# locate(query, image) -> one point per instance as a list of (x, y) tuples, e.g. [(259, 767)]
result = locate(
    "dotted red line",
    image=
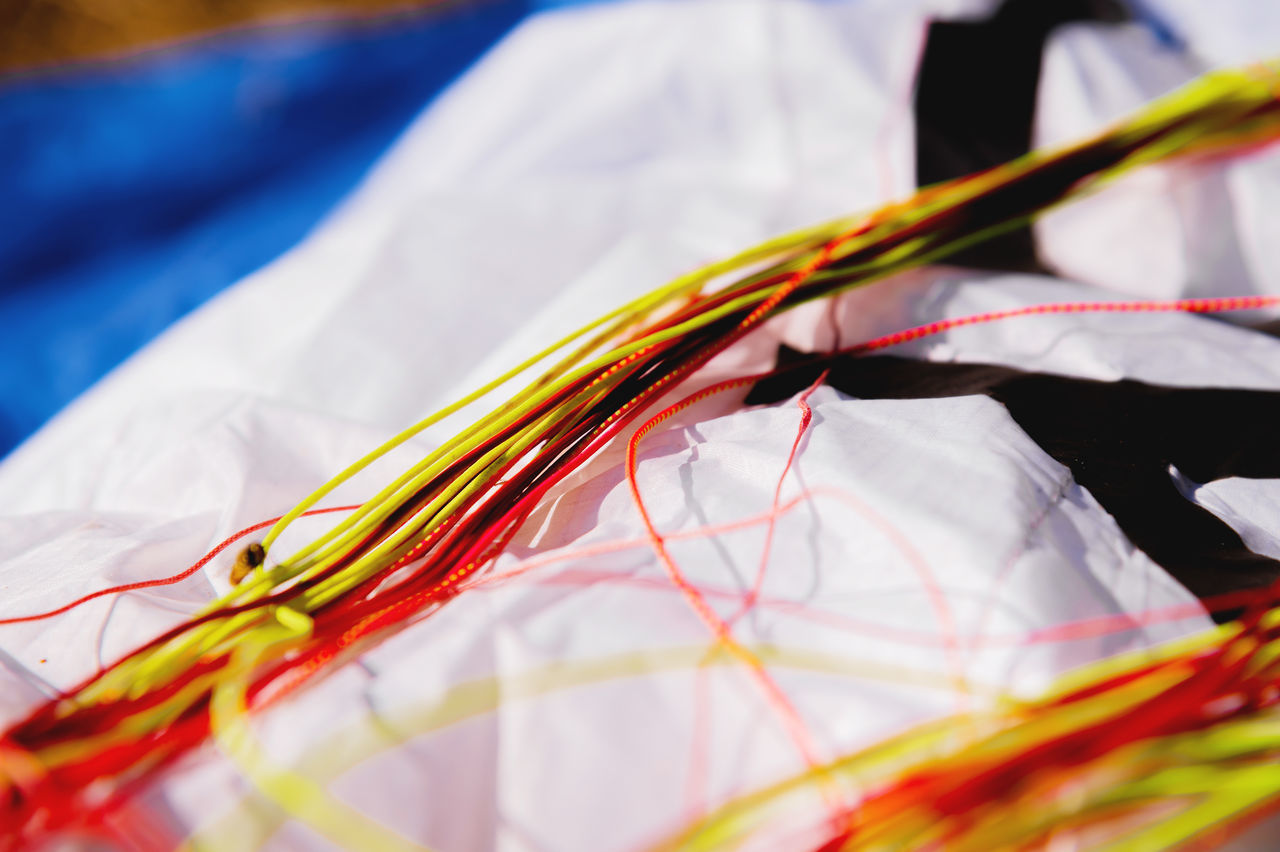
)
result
[(1195, 306)]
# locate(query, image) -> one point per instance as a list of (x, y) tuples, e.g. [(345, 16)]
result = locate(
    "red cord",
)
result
[(166, 581)]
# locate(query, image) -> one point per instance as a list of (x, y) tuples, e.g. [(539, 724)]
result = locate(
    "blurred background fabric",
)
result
[(319, 227), (34, 33), (153, 153)]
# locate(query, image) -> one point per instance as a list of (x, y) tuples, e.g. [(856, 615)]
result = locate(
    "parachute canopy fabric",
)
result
[(138, 188), (888, 558)]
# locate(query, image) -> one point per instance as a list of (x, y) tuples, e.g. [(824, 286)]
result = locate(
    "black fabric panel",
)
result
[(1117, 438), (976, 98)]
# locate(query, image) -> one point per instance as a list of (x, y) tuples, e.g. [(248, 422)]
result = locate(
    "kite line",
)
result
[(423, 539)]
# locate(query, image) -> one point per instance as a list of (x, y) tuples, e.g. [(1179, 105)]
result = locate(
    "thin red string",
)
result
[(806, 417), (1195, 306), (1058, 633), (773, 693), (166, 581)]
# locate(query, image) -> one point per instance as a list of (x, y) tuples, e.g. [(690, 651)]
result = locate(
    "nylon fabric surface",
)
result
[(921, 552), (138, 188)]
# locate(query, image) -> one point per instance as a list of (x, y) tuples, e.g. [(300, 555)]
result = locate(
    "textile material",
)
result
[(137, 189), (1133, 446), (923, 550)]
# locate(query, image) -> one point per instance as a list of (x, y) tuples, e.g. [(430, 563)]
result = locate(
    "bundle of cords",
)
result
[(1105, 753)]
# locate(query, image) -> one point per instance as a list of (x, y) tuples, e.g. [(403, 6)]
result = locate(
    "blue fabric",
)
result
[(134, 191)]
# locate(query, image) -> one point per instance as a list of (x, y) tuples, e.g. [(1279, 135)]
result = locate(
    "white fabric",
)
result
[(1224, 32), (1166, 231), (593, 155)]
